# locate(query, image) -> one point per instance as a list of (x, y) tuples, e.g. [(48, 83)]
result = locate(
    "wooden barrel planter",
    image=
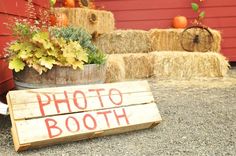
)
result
[(60, 76)]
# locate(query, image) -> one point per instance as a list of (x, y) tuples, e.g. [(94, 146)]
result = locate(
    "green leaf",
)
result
[(75, 55), (47, 62), (39, 53), (59, 42), (74, 34), (202, 15), (17, 64), (26, 50), (78, 64), (98, 57), (15, 47), (52, 2), (43, 38), (195, 7)]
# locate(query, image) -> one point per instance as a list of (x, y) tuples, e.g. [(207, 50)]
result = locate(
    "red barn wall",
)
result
[(10, 9), (148, 14)]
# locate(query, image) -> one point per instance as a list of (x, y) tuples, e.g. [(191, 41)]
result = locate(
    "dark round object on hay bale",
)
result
[(196, 38), (93, 18), (60, 76), (84, 3)]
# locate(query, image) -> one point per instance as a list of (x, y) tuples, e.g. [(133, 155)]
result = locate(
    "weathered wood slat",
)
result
[(133, 113), (29, 96), (40, 135), (42, 117), (31, 110)]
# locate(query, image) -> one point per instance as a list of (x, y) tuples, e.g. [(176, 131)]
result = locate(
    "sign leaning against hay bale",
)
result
[(43, 117), (53, 56)]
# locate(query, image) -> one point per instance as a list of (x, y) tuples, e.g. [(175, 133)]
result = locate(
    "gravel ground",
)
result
[(199, 118)]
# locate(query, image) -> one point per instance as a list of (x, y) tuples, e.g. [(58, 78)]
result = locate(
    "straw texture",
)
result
[(80, 17), (167, 65), (170, 40), (185, 65), (124, 41)]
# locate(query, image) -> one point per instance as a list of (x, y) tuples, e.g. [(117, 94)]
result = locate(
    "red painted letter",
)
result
[(52, 126), (111, 92), (93, 120), (76, 102), (121, 116), (66, 100), (76, 123), (105, 116), (98, 93), (41, 104)]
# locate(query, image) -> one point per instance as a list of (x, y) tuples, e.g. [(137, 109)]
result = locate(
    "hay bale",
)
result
[(138, 66), (216, 45), (115, 68), (129, 66), (186, 65), (169, 40), (81, 17), (124, 41)]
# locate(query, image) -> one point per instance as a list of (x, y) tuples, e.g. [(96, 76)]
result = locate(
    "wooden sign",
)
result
[(42, 117)]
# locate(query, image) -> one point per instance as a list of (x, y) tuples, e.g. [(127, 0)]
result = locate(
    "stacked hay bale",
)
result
[(95, 21), (115, 68), (132, 57), (185, 65), (124, 41), (129, 66), (170, 40), (131, 53)]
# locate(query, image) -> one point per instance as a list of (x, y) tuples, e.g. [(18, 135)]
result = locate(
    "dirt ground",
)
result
[(199, 118)]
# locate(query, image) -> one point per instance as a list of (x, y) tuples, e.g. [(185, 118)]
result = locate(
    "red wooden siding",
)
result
[(8, 10), (147, 14)]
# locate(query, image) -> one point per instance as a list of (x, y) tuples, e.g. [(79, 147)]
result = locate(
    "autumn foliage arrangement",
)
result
[(200, 13), (40, 46), (182, 22)]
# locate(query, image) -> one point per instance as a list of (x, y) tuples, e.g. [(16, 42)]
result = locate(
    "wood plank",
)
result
[(6, 73), (124, 87), (228, 32), (229, 51), (100, 109), (32, 110), (6, 85), (229, 42), (229, 26), (42, 3), (46, 102), (80, 127), (232, 58), (14, 7), (116, 5), (18, 7), (170, 13), (220, 22), (6, 18), (3, 42)]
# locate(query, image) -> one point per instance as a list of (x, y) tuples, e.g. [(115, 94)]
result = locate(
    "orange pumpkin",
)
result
[(180, 22), (62, 20), (69, 3)]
